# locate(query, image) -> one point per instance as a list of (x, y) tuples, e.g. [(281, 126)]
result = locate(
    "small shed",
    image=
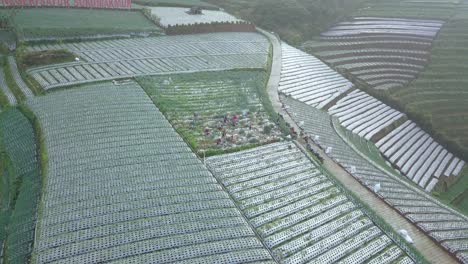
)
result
[(195, 10)]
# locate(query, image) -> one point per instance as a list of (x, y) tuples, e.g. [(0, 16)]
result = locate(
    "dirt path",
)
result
[(425, 245)]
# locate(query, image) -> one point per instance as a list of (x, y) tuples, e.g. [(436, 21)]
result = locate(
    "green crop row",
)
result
[(20, 186), (34, 23)]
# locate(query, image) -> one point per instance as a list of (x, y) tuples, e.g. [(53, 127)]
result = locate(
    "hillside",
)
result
[(294, 20), (143, 136)]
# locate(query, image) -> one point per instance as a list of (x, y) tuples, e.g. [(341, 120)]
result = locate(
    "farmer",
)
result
[(292, 132), (234, 120)]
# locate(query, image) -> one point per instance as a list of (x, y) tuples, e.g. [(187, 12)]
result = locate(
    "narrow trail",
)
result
[(425, 245)]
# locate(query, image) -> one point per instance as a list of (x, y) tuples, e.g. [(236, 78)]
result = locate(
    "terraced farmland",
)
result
[(445, 225), (363, 114), (23, 87), (385, 53), (106, 60), (122, 186), (228, 104), (302, 216), (171, 16), (20, 187), (418, 156), (63, 23), (423, 9), (5, 90), (367, 117), (439, 97), (309, 80)]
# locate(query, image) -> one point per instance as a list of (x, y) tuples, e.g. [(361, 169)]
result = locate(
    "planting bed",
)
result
[(123, 186), (383, 52), (112, 59), (301, 215), (228, 104), (440, 222)]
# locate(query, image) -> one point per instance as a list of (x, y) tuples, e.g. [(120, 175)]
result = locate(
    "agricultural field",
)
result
[(410, 55), (215, 111), (20, 186), (62, 23), (179, 3), (171, 16), (438, 97), (446, 226), (422, 9), (414, 153), (7, 40), (122, 185), (300, 213), (384, 53), (114, 59), (363, 114), (418, 156), (295, 20), (308, 79), (8, 98), (22, 89)]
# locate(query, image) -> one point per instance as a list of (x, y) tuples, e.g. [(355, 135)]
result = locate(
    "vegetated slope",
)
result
[(423, 9), (20, 187), (446, 226), (308, 79), (294, 20), (384, 53), (112, 59), (409, 149), (123, 186), (301, 214), (440, 93), (438, 98), (5, 90), (58, 23), (435, 100), (363, 114), (227, 103)]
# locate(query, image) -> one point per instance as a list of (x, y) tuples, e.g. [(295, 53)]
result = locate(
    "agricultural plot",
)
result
[(171, 16), (301, 215), (107, 60), (447, 226), (308, 79), (418, 156), (182, 3), (20, 187), (385, 53), (422, 9), (437, 97), (123, 186), (363, 114), (215, 111), (25, 90), (5, 89), (63, 23)]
